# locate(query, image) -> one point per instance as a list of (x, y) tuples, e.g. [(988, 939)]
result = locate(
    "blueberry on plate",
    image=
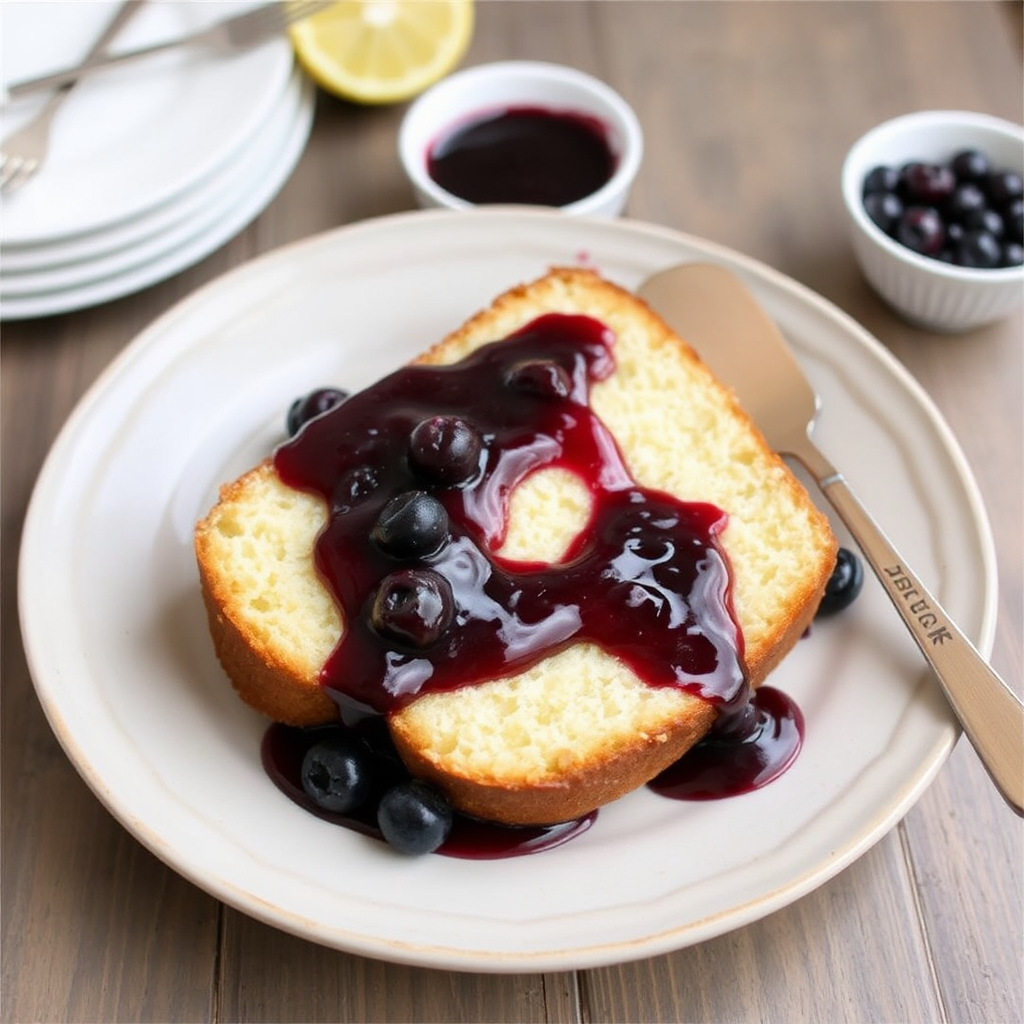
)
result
[(308, 407), (844, 585), (354, 486), (337, 773), (414, 817)]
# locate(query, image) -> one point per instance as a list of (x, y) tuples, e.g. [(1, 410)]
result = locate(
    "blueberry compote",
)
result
[(282, 753), (524, 155), (743, 754), (417, 472)]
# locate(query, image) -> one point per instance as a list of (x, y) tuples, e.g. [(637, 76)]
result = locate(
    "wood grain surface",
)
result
[(748, 110)]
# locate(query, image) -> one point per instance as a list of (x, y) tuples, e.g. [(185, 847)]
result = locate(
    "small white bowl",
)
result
[(927, 292), (490, 88)]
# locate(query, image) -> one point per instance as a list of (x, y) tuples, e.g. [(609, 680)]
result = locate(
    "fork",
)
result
[(24, 150), (240, 32)]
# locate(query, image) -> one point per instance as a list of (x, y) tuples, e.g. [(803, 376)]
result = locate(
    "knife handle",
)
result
[(991, 714)]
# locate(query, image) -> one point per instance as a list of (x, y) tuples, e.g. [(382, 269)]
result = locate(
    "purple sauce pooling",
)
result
[(741, 756), (282, 751)]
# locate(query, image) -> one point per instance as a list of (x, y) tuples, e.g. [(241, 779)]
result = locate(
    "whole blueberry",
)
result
[(542, 377), (966, 199), (885, 209), (979, 249), (413, 607), (970, 165), (337, 773), (1013, 219), (1004, 187), (414, 817), (903, 177), (880, 179), (309, 406), (921, 230), (928, 184), (411, 525), (984, 219), (844, 585), (354, 486), (1012, 254), (446, 448)]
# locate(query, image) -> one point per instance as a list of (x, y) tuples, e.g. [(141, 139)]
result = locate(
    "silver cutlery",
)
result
[(709, 307), (23, 151), (237, 33)]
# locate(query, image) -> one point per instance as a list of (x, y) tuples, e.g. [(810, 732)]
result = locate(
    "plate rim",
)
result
[(673, 938)]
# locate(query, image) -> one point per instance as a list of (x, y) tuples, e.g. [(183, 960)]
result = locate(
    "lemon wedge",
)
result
[(382, 51)]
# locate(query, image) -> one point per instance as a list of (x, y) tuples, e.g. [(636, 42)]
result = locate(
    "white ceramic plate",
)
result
[(125, 240), (129, 139), (246, 173), (182, 248), (117, 641)]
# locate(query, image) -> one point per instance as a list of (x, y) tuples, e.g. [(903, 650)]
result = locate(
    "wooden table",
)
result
[(748, 110)]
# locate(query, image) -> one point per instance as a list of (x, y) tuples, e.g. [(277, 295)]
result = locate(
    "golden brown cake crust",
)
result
[(281, 687), (278, 686), (579, 790)]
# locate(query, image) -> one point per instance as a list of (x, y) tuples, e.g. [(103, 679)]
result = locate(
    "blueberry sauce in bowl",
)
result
[(522, 132), (532, 155)]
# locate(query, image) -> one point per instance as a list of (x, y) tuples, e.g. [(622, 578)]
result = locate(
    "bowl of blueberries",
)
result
[(936, 206)]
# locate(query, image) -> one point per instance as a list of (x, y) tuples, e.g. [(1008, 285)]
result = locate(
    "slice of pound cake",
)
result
[(552, 552)]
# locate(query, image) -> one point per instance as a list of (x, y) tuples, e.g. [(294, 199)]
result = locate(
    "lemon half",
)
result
[(382, 51)]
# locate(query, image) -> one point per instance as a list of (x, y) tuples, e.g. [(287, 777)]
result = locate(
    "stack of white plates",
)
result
[(153, 165)]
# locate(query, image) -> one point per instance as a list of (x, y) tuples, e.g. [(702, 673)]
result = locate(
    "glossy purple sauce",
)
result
[(282, 751), (739, 756), (646, 579), (524, 155)]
